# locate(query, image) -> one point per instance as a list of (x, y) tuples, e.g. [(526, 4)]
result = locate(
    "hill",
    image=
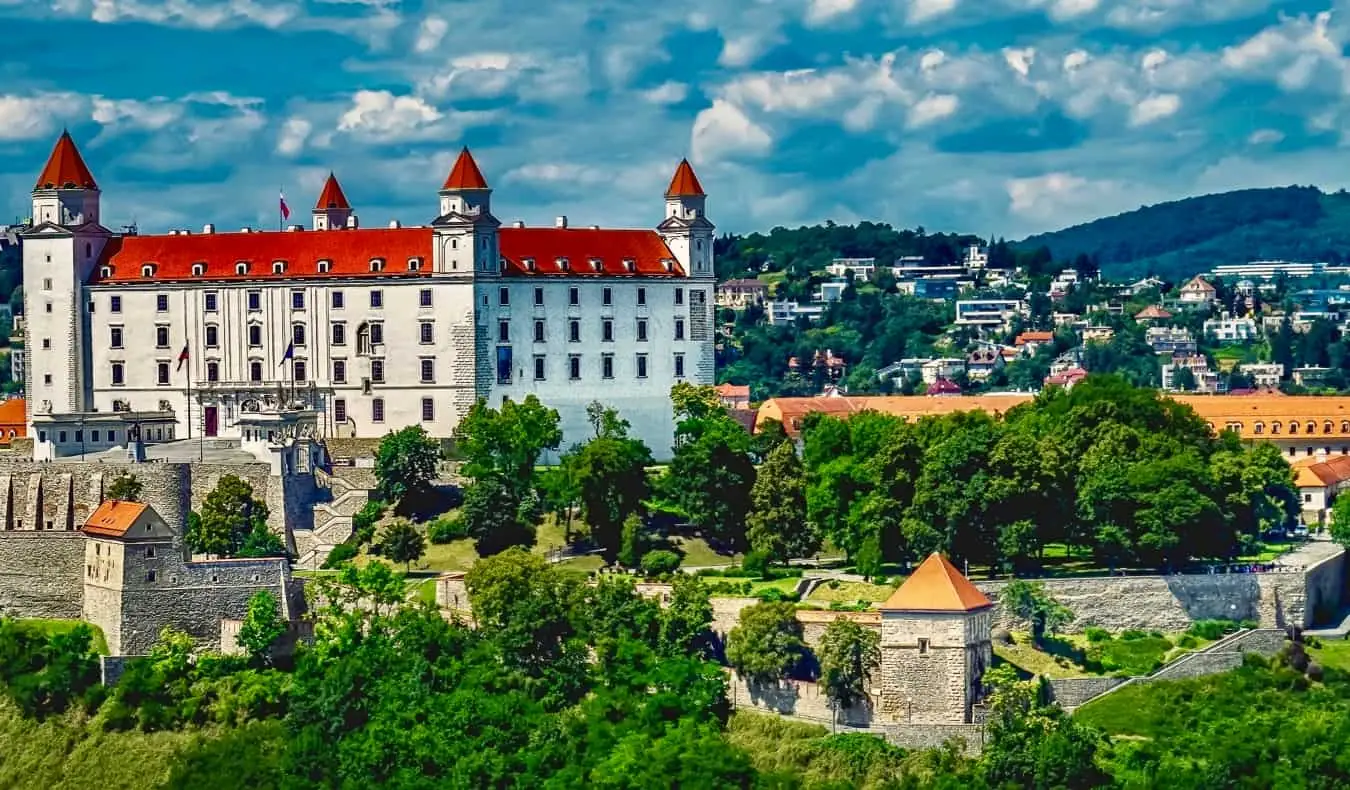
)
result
[(1185, 237)]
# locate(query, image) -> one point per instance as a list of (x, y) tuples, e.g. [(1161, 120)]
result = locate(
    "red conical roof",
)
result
[(331, 196), (65, 168), (465, 174), (685, 183), (936, 586)]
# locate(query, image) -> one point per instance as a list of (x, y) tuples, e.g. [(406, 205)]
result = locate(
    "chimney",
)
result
[(208, 228), (352, 223), (294, 228), (246, 229), (595, 227), (518, 224), (395, 224), (560, 222)]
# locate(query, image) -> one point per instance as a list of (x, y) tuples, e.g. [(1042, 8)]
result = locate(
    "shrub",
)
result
[(1095, 634), (1137, 655), (756, 563), (1131, 634), (341, 553), (1214, 629), (448, 528), (1187, 641), (363, 523), (660, 562), (775, 595)]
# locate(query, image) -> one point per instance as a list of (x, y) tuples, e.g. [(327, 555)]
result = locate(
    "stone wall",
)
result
[(41, 574), (1072, 692), (800, 698), (932, 736)]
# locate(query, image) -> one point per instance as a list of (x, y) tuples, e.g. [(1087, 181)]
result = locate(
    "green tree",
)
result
[(125, 488), (525, 606), (232, 523), (766, 642), (405, 465), (1340, 521), (1033, 744), (507, 442), (496, 519), (776, 524), (711, 474), (686, 620), (1029, 601), (849, 654), (610, 474), (261, 628), (401, 542)]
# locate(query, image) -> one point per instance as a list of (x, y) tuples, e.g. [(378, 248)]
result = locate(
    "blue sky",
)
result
[(987, 116)]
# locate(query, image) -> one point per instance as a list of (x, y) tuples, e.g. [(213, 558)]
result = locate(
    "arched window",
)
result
[(198, 269), (1259, 428), (278, 267), (1311, 427), (241, 268), (1326, 427), (148, 270), (325, 266), (377, 264), (1275, 428), (1293, 427)]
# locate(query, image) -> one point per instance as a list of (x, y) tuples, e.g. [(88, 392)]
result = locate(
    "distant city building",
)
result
[(1268, 270), (1206, 380), (1232, 330), (1311, 376), (830, 292), (862, 268), (734, 396), (1264, 375), (740, 294), (1167, 340), (1030, 342), (1152, 314), (945, 368), (1198, 293), (989, 313), (786, 313), (982, 362), (1097, 334)]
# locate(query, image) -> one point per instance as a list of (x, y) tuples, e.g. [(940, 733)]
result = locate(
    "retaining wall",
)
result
[(800, 698)]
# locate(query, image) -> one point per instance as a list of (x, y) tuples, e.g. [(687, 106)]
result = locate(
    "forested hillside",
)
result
[(1185, 237)]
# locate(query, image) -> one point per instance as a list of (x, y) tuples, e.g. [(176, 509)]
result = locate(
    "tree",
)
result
[(685, 621), (1034, 744), (524, 604), (610, 471), (125, 488), (766, 642), (261, 628), (711, 473), (496, 519), (1340, 521), (233, 524), (849, 654), (1029, 601), (405, 465), (776, 524), (507, 442), (402, 542)]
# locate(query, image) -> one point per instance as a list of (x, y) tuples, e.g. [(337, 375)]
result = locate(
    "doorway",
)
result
[(211, 420)]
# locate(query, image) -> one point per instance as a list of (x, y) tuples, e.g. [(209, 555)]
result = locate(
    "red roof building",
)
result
[(65, 168), (936, 586)]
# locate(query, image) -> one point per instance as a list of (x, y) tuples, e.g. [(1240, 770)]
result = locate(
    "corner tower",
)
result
[(333, 212), (466, 231), (686, 229), (935, 646), (66, 193)]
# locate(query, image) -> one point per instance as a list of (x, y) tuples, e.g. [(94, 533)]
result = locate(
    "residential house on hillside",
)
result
[(943, 386), (989, 314), (1168, 340), (740, 294), (786, 313), (1097, 334), (734, 396), (1066, 378), (1063, 283), (1206, 380), (982, 362), (1140, 286), (1029, 342), (862, 268), (1311, 376), (830, 292), (1264, 375), (1073, 358), (1152, 314), (905, 369), (945, 368), (1319, 480), (1228, 329), (1197, 293)]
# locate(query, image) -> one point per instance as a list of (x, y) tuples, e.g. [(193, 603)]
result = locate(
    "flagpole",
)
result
[(281, 218)]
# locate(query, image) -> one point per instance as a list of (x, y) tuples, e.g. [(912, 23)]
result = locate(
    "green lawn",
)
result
[(1069, 656), (850, 592), (1332, 653), (698, 554)]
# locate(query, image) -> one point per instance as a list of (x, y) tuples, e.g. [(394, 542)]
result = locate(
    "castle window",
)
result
[(1259, 428), (161, 337), (428, 410), (336, 300), (115, 337), (539, 367), (148, 270), (642, 330), (161, 303), (642, 366), (424, 297), (923, 647), (538, 297), (377, 334), (339, 371), (529, 264), (255, 335), (1326, 427), (574, 367), (414, 264), (563, 264), (427, 332), (574, 331), (597, 265), (538, 330), (607, 331), (504, 297), (377, 410), (213, 371), (607, 296), (377, 299), (679, 329), (642, 297), (428, 371), (162, 373), (679, 296), (115, 304), (297, 300), (679, 366), (340, 410), (212, 336), (255, 372), (46, 283), (339, 334), (325, 266), (149, 550), (198, 269), (503, 331), (606, 366), (105, 272), (1311, 427), (377, 264), (241, 268), (629, 264), (298, 370), (298, 334), (278, 267), (211, 301), (573, 296), (377, 371), (254, 300)]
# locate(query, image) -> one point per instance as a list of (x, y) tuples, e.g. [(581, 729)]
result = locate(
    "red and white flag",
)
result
[(183, 357), (285, 210)]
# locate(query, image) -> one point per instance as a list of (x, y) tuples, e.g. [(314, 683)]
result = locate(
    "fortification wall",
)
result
[(800, 698), (41, 574)]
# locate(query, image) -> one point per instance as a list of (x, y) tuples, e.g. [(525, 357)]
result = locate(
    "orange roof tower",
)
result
[(685, 183), (65, 168), (332, 196), (465, 174), (936, 586)]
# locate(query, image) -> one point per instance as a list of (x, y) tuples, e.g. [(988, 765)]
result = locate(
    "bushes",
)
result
[(47, 673), (1217, 629), (447, 529), (1132, 653), (1095, 634), (660, 562), (341, 553), (363, 523)]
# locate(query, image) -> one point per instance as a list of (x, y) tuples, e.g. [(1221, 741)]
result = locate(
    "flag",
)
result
[(183, 356), (285, 210), (290, 354)]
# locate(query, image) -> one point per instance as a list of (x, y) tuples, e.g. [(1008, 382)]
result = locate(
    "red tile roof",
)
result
[(65, 168), (583, 249), (348, 251), (113, 518), (1152, 311), (465, 174), (739, 391), (685, 183), (936, 586), (1034, 337), (331, 196), (941, 386)]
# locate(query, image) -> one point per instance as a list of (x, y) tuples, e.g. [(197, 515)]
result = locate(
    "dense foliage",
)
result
[(1106, 469), (233, 523)]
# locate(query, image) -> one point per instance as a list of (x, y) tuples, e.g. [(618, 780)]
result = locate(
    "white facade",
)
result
[(989, 313), (373, 330), (862, 268), (1232, 330), (1264, 375)]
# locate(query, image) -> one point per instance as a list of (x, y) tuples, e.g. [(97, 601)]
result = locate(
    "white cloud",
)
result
[(430, 33), (1041, 197), (1071, 9), (669, 92), (1265, 137), (824, 11), (741, 51), (294, 133), (555, 173), (925, 10), (28, 117), (724, 130), (380, 115), (150, 114), (1154, 108), (1020, 60), (933, 108)]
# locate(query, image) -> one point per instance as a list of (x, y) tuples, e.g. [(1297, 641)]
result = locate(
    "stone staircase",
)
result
[(332, 519)]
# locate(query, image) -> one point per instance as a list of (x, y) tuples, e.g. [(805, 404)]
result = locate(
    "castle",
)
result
[(155, 338)]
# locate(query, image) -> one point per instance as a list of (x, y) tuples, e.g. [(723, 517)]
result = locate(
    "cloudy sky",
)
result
[(987, 116)]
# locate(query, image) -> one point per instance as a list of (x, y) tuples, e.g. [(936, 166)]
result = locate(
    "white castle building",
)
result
[(365, 331)]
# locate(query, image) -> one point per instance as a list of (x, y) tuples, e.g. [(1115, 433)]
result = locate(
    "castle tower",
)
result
[(935, 646), (60, 251), (333, 212), (466, 231), (686, 229)]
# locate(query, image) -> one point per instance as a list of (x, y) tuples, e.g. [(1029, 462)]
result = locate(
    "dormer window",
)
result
[(529, 264), (278, 267), (563, 264), (377, 264), (629, 264), (414, 264), (668, 264), (148, 270), (241, 268), (325, 266), (198, 269), (597, 265), (105, 271)]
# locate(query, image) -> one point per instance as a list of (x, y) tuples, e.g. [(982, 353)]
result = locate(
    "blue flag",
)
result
[(290, 354)]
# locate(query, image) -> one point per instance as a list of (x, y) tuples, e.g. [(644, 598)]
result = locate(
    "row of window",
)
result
[(1293, 427), (575, 366), (299, 371), (96, 435), (211, 300), (371, 334), (574, 296), (377, 410), (574, 330)]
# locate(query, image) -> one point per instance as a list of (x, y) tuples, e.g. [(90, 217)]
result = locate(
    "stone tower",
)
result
[(686, 229), (333, 212), (935, 646)]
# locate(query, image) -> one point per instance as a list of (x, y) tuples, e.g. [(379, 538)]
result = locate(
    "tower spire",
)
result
[(465, 174), (332, 211), (65, 168)]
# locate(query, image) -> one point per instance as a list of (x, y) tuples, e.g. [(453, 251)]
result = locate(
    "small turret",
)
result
[(65, 193), (333, 212)]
